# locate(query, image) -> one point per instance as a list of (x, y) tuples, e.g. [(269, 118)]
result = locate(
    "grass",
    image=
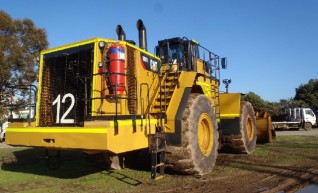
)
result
[(285, 151), (25, 169), (294, 148)]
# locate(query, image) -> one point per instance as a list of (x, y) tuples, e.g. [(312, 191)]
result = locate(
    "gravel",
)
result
[(297, 132), (4, 145)]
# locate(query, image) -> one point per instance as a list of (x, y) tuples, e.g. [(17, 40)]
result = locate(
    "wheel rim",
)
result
[(205, 134), (249, 129), (308, 126)]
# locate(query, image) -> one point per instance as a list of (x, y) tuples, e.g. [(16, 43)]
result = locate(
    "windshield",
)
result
[(309, 112), (172, 52)]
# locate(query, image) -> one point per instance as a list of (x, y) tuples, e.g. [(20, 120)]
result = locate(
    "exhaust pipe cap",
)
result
[(120, 33), (142, 34)]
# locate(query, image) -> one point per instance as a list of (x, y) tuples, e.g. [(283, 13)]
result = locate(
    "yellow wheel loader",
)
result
[(105, 95)]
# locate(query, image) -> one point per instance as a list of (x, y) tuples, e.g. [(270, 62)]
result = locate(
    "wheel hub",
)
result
[(249, 129), (205, 134)]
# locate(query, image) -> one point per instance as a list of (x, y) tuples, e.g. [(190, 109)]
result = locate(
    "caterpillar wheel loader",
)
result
[(105, 95)]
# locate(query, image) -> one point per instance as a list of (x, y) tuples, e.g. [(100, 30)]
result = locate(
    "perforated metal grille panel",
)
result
[(66, 83)]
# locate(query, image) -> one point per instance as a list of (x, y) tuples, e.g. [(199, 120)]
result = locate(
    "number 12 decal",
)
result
[(58, 102)]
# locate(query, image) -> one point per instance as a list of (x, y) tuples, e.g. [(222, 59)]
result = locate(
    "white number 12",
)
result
[(58, 102)]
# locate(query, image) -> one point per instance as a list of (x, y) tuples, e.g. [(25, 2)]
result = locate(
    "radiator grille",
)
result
[(66, 83), (131, 80)]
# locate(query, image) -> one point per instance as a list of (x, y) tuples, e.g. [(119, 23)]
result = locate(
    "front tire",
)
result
[(307, 126), (198, 151), (245, 141)]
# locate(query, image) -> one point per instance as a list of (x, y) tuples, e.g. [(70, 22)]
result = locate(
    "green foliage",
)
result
[(258, 103), (279, 109), (308, 93), (275, 109), (20, 44), (306, 96)]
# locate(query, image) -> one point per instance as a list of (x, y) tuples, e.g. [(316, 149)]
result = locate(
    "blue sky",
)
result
[(271, 45)]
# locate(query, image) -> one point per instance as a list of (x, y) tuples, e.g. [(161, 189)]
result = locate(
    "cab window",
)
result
[(309, 112)]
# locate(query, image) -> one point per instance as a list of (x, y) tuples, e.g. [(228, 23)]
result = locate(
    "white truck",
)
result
[(25, 115), (3, 131), (297, 118), (25, 93)]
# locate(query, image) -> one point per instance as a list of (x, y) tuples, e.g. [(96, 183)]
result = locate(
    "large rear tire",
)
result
[(244, 142), (198, 151)]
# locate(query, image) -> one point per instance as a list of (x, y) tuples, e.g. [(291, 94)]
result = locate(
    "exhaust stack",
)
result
[(142, 34), (120, 33)]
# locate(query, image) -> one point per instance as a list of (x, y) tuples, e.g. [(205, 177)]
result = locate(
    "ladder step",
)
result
[(172, 73), (158, 110), (158, 177), (164, 98), (171, 79), (163, 104), (159, 165), (157, 147), (169, 91), (168, 87)]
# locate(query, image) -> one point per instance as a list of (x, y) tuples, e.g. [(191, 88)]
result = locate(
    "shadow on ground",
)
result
[(67, 164)]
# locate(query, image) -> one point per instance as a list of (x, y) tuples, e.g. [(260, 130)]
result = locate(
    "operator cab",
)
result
[(188, 54), (178, 51)]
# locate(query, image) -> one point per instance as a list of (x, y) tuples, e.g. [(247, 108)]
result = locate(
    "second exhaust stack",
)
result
[(142, 35)]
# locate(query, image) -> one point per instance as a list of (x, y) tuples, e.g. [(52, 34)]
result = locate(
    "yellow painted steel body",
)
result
[(95, 136), (230, 105), (230, 109), (186, 80), (110, 134), (250, 128), (196, 81), (104, 135), (205, 134), (265, 131)]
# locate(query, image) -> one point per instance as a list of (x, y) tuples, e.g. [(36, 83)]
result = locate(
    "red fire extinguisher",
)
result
[(117, 69)]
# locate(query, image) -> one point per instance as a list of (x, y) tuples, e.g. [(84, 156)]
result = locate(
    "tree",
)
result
[(306, 96), (20, 45), (308, 93), (276, 109), (258, 103)]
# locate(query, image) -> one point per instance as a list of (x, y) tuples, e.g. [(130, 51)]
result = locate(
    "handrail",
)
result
[(31, 88), (115, 96), (148, 106)]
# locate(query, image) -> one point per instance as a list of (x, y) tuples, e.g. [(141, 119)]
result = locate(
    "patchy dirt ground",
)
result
[(287, 165), (260, 177)]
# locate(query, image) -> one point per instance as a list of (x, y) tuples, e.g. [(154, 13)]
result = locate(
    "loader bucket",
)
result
[(265, 130)]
